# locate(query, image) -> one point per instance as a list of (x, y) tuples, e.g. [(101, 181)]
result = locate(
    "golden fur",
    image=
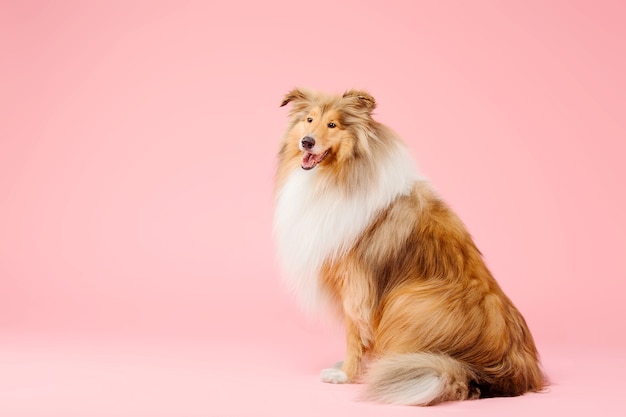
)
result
[(425, 320)]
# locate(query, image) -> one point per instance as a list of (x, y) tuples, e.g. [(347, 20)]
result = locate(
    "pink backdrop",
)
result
[(137, 150)]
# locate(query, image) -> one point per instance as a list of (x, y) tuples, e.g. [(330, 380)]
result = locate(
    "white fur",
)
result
[(333, 376), (312, 227), (417, 392), (414, 378)]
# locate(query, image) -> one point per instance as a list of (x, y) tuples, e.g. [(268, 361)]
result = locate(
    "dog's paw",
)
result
[(338, 365), (333, 376)]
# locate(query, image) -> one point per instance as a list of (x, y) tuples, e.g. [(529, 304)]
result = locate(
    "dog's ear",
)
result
[(297, 94), (362, 99)]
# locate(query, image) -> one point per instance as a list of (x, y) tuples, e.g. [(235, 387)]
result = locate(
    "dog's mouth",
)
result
[(310, 160)]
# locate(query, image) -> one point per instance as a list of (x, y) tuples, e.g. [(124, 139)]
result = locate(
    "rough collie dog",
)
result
[(358, 229)]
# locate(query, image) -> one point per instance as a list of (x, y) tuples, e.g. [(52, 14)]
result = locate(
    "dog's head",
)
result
[(327, 129)]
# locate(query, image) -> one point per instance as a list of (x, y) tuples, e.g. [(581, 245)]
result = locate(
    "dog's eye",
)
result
[(309, 119), (332, 125)]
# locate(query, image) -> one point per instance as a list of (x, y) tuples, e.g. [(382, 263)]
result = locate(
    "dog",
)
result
[(360, 231)]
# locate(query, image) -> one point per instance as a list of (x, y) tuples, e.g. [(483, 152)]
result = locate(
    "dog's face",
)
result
[(324, 129), (319, 134)]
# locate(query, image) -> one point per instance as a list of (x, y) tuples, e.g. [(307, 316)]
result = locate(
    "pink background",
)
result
[(137, 151)]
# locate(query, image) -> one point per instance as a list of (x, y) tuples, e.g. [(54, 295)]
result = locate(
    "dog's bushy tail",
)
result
[(419, 379)]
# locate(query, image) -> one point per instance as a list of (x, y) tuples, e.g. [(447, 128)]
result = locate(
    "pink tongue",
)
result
[(308, 161)]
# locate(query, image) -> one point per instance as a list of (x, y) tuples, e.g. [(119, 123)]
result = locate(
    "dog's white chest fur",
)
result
[(312, 227)]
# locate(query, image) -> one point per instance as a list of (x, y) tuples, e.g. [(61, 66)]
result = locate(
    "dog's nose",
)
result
[(307, 142)]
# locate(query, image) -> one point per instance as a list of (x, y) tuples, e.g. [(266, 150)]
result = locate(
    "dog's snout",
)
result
[(307, 143)]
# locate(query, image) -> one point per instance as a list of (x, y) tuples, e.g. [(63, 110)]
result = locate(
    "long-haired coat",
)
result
[(360, 230)]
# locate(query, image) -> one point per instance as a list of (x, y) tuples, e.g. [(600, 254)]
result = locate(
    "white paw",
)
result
[(338, 365), (333, 376)]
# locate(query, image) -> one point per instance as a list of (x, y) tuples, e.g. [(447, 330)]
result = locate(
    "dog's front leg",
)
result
[(354, 351), (355, 295), (350, 369)]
